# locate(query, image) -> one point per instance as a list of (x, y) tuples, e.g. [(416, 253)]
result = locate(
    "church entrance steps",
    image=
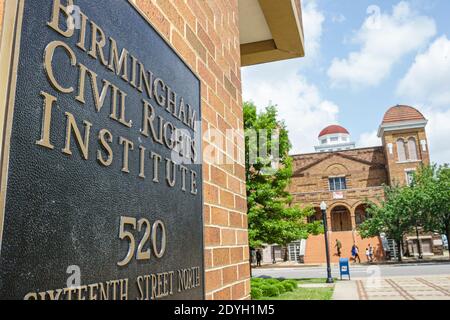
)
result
[(315, 247)]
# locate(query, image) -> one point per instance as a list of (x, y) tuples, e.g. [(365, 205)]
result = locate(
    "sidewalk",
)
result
[(394, 288)]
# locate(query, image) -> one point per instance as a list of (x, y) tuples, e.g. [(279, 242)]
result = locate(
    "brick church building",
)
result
[(345, 177)]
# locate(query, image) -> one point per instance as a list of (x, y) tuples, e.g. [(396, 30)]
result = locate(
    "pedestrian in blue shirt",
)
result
[(355, 253)]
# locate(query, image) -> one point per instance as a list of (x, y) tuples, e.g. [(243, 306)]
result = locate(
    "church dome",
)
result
[(334, 129), (334, 138), (401, 113)]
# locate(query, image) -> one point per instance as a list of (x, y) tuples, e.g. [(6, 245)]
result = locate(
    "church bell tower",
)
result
[(405, 143)]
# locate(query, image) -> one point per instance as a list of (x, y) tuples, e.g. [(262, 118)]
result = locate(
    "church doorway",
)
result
[(341, 219)]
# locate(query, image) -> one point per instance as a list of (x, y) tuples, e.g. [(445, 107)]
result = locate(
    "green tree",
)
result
[(425, 203), (271, 215), (432, 185), (392, 216)]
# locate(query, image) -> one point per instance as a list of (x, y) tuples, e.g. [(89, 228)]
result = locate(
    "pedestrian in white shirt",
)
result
[(370, 252)]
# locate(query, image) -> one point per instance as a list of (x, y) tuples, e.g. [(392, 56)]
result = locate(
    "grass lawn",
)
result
[(305, 293)]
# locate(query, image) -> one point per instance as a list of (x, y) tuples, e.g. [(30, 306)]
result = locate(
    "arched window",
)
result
[(317, 216), (412, 149), (401, 150)]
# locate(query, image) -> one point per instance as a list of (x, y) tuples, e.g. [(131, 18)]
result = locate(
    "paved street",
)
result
[(358, 271)]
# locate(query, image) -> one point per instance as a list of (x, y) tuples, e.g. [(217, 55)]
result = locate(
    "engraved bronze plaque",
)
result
[(101, 177)]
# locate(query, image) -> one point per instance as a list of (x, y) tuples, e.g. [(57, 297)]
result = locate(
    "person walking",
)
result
[(258, 258), (370, 252), (338, 247), (368, 255), (355, 253)]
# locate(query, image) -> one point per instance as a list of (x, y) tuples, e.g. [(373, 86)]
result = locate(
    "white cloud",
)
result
[(300, 105), (426, 84), (312, 21), (368, 139), (384, 39), (299, 102), (438, 132), (428, 79), (338, 18)]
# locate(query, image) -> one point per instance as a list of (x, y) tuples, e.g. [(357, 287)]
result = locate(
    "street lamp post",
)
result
[(323, 207), (419, 246)]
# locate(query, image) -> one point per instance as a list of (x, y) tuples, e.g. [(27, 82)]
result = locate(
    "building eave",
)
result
[(403, 125), (299, 155), (270, 31)]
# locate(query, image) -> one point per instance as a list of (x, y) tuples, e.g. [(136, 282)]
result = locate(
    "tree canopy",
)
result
[(391, 216), (432, 185), (425, 203), (272, 217)]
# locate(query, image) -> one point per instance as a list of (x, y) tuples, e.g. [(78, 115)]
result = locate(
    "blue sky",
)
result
[(362, 57)]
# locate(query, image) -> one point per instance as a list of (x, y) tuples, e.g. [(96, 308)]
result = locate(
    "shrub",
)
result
[(256, 293), (293, 283), (288, 285), (257, 280), (272, 281), (280, 287), (271, 287), (270, 290), (257, 283)]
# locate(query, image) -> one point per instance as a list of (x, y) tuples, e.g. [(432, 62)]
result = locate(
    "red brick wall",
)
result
[(363, 168), (205, 33), (395, 168)]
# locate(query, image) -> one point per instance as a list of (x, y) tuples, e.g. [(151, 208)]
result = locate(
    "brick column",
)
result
[(329, 220), (353, 218)]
